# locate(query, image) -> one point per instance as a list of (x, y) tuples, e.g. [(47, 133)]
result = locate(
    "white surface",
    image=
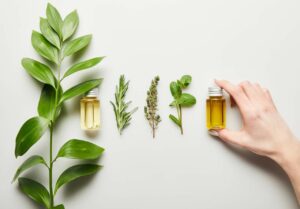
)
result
[(254, 40)]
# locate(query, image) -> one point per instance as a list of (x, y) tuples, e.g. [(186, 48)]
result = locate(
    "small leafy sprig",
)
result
[(150, 109), (55, 43), (181, 99), (123, 117)]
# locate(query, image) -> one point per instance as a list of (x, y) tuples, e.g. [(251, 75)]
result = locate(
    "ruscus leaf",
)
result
[(54, 19), (35, 191), (39, 71), (46, 106), (74, 173), (83, 65), (70, 25), (29, 134), (59, 207), (49, 33), (175, 120), (29, 163), (80, 89), (44, 47), (76, 45), (78, 149)]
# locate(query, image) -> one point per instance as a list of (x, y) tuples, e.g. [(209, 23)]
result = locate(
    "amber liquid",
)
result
[(90, 113), (215, 112)]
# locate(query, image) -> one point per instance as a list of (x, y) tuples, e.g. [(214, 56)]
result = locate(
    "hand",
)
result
[(264, 132)]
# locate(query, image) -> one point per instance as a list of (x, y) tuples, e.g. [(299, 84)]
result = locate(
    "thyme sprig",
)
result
[(150, 109)]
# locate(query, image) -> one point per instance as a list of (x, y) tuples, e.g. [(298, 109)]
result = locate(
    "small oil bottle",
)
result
[(90, 110), (215, 109)]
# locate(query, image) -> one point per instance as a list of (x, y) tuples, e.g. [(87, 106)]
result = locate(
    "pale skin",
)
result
[(264, 131)]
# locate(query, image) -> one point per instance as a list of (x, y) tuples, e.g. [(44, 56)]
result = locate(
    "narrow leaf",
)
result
[(175, 120), (35, 191), (80, 89), (30, 162), (70, 25), (29, 134), (76, 45), (49, 33), (44, 47), (54, 19), (39, 71), (83, 65), (78, 149), (74, 173), (186, 100), (46, 105), (175, 90)]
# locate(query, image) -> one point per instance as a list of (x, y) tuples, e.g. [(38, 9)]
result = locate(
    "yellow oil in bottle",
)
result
[(90, 111), (215, 109)]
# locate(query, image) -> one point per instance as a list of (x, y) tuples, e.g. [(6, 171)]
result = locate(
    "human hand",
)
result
[(264, 132)]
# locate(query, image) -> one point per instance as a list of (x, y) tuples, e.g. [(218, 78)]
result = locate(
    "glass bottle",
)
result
[(215, 109), (90, 110)]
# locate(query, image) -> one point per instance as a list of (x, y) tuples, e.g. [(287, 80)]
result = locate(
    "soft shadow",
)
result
[(33, 204), (75, 57), (76, 186), (263, 163)]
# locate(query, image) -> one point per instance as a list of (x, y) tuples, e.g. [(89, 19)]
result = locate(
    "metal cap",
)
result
[(93, 93), (215, 91)]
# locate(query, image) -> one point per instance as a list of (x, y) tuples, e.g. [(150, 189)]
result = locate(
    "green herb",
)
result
[(123, 117), (54, 45), (151, 108), (181, 99)]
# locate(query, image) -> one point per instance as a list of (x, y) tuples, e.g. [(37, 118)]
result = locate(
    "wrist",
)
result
[(288, 156)]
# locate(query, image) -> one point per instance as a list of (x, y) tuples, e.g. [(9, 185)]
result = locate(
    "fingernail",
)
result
[(213, 132)]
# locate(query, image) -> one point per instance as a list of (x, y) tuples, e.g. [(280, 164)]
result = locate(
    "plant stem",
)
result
[(180, 119), (51, 167)]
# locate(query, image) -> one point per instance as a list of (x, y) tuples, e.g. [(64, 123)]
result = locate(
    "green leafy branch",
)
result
[(55, 43), (123, 117), (181, 99), (150, 109)]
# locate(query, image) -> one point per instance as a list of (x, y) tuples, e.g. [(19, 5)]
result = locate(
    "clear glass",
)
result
[(90, 113), (216, 112)]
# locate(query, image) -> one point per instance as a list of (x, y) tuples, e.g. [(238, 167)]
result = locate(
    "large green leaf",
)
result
[(186, 100), (70, 25), (83, 65), (59, 207), (35, 191), (49, 33), (80, 89), (29, 134), (78, 149), (44, 47), (175, 90), (74, 173), (39, 71), (30, 162), (185, 81), (76, 45), (46, 105), (54, 19)]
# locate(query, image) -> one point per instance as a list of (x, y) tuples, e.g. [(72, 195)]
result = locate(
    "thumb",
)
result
[(233, 137)]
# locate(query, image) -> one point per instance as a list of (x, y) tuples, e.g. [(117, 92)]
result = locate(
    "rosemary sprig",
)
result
[(151, 108), (123, 117)]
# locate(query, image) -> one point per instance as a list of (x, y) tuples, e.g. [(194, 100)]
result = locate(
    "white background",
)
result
[(257, 40)]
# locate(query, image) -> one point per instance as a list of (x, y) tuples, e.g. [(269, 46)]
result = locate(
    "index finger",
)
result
[(236, 92)]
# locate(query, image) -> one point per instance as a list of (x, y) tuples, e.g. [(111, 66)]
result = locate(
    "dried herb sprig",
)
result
[(151, 108), (123, 117)]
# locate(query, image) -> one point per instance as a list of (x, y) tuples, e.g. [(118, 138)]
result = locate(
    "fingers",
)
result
[(236, 92), (232, 137)]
